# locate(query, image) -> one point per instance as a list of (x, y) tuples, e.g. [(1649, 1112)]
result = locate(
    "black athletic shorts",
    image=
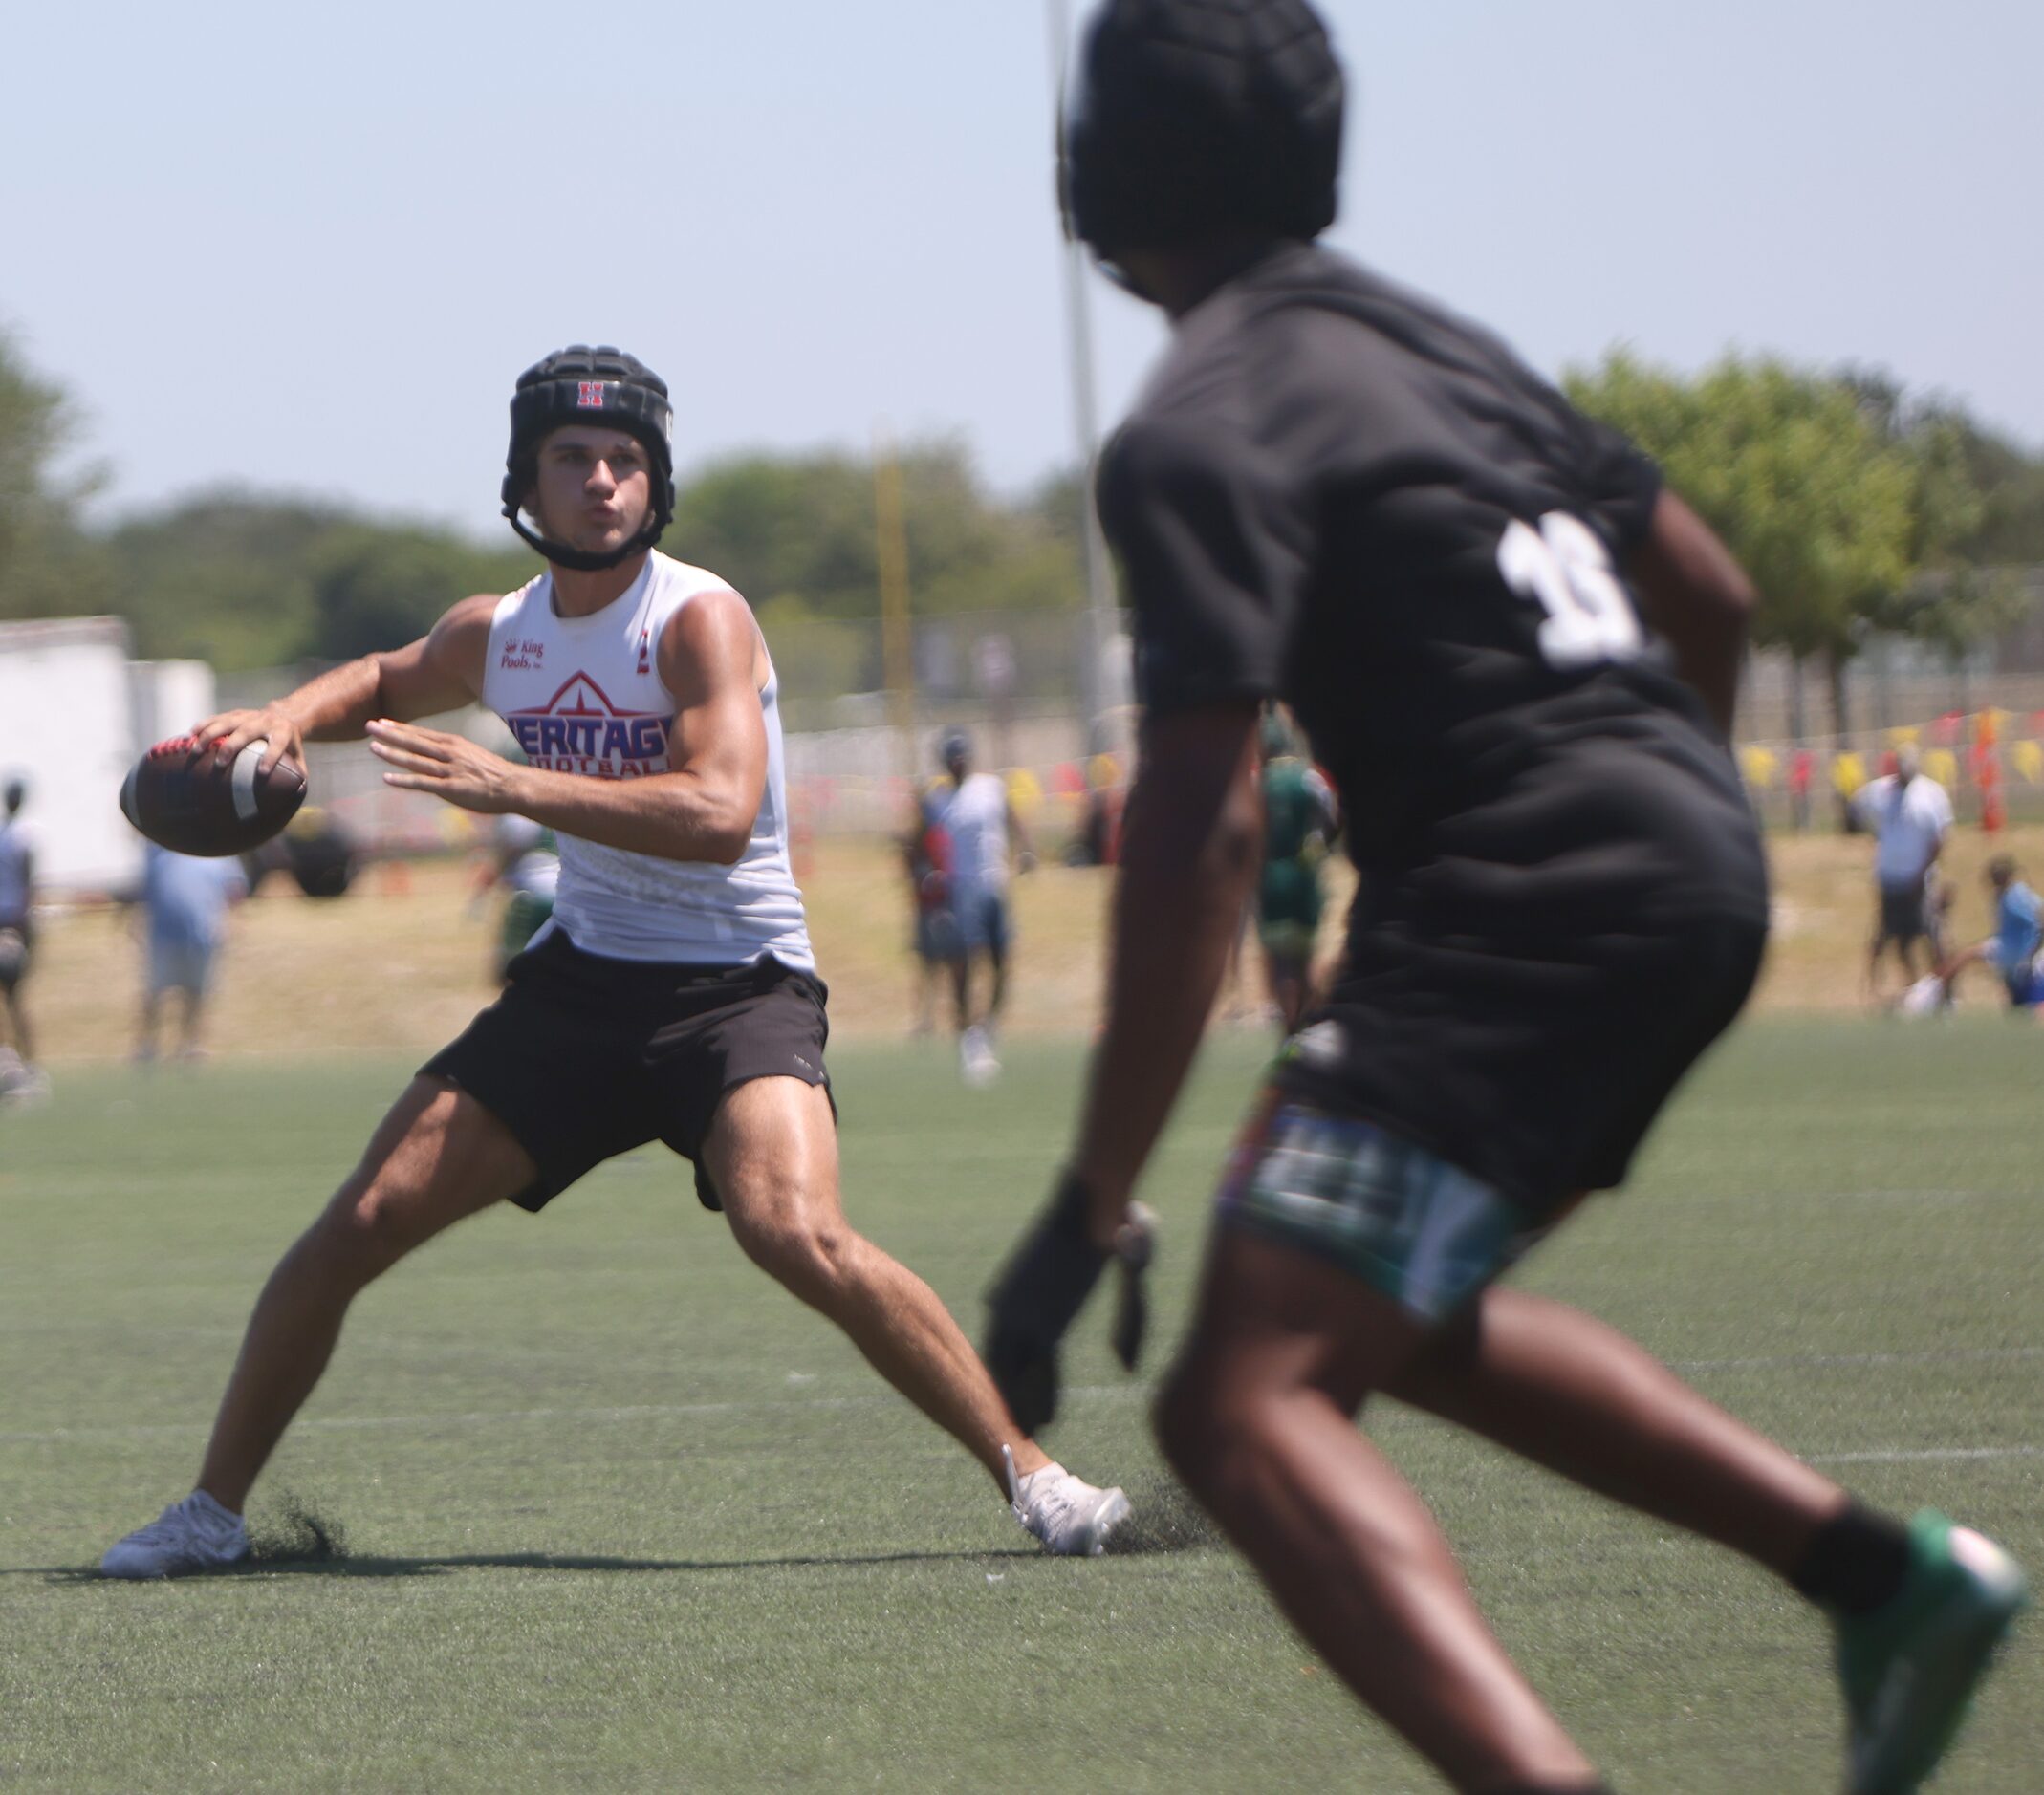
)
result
[(1523, 1001), (14, 971), (1904, 913), (583, 1058)]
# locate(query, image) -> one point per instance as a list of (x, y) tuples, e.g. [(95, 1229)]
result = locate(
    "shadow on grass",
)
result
[(298, 1541), (390, 1566)]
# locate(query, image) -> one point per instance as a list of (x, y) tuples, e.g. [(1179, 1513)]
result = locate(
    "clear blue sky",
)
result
[(311, 248)]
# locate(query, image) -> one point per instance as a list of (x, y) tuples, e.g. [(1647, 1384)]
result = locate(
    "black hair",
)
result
[(1200, 118)]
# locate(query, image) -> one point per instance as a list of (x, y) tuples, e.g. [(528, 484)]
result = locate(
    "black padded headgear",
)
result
[(602, 386), (1197, 118)]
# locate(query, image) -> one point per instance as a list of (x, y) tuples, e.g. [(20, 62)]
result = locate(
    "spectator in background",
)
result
[(525, 862), (986, 836), (1298, 826), (19, 1078), (1910, 815), (927, 854), (2013, 949), (186, 901)]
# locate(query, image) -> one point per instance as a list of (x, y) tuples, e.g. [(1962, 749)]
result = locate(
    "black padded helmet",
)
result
[(1195, 118), (598, 385)]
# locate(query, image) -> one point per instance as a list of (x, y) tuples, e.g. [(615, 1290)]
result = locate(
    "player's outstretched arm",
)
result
[(1696, 597), (443, 670), (703, 808)]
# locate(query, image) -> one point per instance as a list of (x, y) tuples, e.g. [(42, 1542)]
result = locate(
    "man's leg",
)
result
[(1286, 973), (962, 988), (1560, 1388), (1256, 1417), (18, 1022), (773, 1154), (437, 1156), (189, 1046), (152, 1003), (997, 931)]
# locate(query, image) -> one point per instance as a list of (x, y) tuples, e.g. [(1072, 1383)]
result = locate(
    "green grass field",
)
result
[(618, 1515)]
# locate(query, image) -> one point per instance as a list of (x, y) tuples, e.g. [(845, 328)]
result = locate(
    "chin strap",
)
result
[(587, 561)]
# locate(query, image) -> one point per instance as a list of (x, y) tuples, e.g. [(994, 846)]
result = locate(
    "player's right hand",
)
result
[(1043, 1286), (1035, 1300), (232, 730)]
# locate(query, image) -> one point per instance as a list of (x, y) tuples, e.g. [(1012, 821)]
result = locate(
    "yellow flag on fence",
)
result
[(1848, 772)]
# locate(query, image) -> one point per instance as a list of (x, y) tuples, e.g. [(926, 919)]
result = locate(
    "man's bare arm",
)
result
[(1190, 853), (443, 670), (704, 809), (1697, 596)]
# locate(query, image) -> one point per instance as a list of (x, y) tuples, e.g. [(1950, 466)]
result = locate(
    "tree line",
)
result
[(1857, 504), (245, 578)]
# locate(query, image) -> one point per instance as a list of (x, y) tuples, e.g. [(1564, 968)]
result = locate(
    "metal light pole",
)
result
[(898, 659), (1100, 620)]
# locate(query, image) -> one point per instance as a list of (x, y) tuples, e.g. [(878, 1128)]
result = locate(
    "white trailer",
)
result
[(67, 725)]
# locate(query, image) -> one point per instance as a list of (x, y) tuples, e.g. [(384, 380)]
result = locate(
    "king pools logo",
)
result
[(579, 730)]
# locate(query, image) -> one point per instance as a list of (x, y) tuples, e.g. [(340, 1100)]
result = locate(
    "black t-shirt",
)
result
[(1336, 493)]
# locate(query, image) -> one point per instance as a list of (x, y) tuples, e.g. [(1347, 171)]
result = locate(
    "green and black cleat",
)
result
[(1910, 1668)]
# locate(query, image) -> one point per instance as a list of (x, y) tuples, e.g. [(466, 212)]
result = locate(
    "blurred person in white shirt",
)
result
[(1910, 815), (185, 901), (987, 839)]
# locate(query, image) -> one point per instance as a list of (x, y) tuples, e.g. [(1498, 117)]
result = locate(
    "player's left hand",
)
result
[(448, 766), (1043, 1286)]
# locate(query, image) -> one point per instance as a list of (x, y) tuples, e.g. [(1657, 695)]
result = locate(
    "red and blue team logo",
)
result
[(589, 396), (579, 730)]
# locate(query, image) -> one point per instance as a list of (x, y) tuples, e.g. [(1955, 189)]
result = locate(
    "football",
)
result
[(188, 799)]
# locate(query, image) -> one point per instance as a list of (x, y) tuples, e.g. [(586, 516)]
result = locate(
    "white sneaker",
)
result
[(195, 1534), (976, 1063), (22, 1086), (1071, 1518)]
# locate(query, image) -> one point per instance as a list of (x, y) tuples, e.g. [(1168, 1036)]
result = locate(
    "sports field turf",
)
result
[(618, 1515)]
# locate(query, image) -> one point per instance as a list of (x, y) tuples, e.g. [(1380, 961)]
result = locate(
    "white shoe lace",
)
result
[(181, 1523), (1052, 1502)]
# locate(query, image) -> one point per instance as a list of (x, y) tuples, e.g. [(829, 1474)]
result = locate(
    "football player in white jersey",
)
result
[(984, 834), (672, 995)]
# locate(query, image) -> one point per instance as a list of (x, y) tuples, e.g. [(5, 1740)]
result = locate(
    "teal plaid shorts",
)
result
[(1392, 1215)]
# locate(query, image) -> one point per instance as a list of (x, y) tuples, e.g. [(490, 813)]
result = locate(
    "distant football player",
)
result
[(926, 859), (1910, 815), (2013, 952), (1299, 825), (672, 995), (988, 840), (17, 927), (185, 901), (1515, 655), (21, 1080), (524, 863)]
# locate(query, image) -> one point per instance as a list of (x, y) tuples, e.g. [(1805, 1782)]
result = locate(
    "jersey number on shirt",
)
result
[(1564, 567)]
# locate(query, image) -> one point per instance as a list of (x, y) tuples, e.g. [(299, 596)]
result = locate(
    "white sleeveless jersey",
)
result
[(583, 695)]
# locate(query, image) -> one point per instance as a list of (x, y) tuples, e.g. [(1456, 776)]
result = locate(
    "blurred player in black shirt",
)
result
[(1516, 655)]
